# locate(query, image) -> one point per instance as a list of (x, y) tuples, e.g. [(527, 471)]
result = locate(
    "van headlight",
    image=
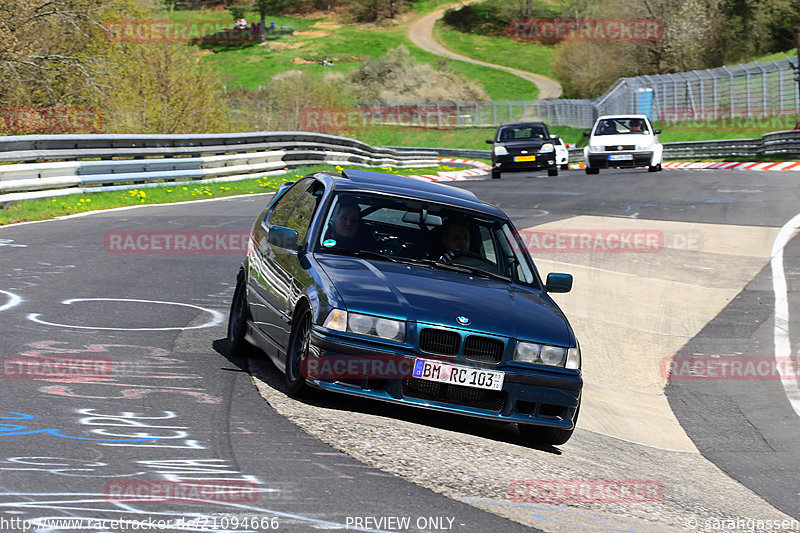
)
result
[(373, 326)]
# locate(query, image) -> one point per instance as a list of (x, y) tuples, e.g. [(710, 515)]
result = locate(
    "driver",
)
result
[(455, 235)]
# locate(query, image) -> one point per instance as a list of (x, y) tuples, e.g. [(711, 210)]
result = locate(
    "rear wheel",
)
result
[(592, 170), (299, 342), (237, 320)]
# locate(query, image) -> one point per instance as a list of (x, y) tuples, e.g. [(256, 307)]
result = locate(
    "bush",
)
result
[(397, 77)]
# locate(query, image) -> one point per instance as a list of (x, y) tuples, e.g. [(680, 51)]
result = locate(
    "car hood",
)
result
[(435, 296), (623, 140), (527, 144)]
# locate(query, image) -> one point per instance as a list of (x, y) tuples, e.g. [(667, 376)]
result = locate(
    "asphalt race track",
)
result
[(156, 403)]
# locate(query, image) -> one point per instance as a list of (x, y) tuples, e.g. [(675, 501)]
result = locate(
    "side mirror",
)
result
[(656, 132), (587, 133), (489, 141), (283, 237), (558, 282)]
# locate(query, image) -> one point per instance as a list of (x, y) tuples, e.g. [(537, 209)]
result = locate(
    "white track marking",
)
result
[(217, 317), (783, 344), (13, 300)]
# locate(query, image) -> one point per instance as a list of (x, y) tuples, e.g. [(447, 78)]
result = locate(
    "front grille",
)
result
[(618, 147), (439, 341), (483, 349), (489, 400)]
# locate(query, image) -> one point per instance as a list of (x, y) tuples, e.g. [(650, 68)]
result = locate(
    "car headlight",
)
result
[(596, 148), (547, 147), (374, 326), (529, 352), (500, 150)]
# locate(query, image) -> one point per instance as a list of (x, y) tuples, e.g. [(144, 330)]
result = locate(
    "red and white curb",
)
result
[(785, 165), (479, 168)]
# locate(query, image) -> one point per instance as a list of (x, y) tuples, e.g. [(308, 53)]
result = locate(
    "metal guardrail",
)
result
[(759, 89), (779, 143), (92, 163)]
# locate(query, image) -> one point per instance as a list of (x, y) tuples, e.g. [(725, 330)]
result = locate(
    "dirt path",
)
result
[(421, 34)]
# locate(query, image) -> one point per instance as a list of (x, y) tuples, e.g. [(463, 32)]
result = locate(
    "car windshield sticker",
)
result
[(327, 243)]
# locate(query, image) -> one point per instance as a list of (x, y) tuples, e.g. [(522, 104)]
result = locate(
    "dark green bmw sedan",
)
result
[(411, 292)]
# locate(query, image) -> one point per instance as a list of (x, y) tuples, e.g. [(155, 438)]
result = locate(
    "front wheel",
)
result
[(592, 170), (547, 436), (237, 320), (495, 175), (565, 167), (552, 171), (299, 342), (654, 168)]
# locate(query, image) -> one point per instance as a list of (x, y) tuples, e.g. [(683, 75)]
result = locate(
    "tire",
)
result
[(495, 175), (592, 170), (552, 171), (296, 352), (656, 168), (547, 436), (565, 167), (237, 321)]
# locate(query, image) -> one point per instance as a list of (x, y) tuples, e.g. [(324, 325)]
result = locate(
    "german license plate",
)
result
[(620, 157), (520, 158), (458, 375)]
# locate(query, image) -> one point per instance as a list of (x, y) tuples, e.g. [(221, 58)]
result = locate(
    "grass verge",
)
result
[(530, 57), (48, 208)]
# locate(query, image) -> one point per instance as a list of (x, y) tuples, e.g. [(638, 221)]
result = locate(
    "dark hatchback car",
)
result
[(409, 292), (523, 147)]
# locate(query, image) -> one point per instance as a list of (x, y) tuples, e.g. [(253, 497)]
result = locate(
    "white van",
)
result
[(622, 141)]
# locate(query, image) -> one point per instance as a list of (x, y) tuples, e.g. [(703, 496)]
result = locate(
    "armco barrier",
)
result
[(43, 166), (779, 143)]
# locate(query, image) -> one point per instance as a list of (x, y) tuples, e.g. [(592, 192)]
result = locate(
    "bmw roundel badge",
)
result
[(464, 321)]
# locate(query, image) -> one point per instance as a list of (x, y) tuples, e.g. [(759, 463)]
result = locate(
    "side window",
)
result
[(300, 219), (280, 212)]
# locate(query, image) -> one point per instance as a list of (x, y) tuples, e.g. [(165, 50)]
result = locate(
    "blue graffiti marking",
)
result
[(9, 430)]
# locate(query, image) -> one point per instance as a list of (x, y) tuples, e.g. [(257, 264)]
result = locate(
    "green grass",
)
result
[(251, 65), (770, 57), (44, 209), (527, 56)]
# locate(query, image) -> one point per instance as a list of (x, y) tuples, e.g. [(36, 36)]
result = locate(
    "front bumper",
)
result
[(528, 396), (638, 159), (506, 163)]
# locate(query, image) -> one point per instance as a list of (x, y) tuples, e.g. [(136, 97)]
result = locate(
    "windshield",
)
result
[(424, 233), (522, 133), (621, 126)]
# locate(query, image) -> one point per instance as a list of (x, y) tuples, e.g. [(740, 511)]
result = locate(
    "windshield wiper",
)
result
[(366, 254), (469, 270)]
